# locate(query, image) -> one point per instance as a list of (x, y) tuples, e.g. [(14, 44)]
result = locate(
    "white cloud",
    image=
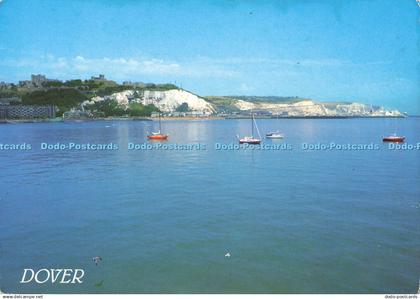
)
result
[(245, 88), (308, 62), (132, 68), (118, 68)]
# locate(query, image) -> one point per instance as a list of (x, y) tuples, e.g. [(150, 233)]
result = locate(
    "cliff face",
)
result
[(169, 101), (311, 108), (166, 101)]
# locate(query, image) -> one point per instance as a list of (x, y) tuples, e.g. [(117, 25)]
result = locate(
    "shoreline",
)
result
[(187, 118)]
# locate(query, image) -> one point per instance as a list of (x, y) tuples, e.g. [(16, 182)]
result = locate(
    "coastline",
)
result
[(180, 118), (188, 118)]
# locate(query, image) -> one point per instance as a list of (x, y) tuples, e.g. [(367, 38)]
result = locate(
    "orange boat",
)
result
[(158, 135)]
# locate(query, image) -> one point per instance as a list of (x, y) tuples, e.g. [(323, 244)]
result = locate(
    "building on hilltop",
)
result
[(25, 83), (5, 85), (100, 78), (37, 81)]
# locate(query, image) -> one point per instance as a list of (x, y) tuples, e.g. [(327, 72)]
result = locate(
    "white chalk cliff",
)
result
[(311, 108), (166, 101)]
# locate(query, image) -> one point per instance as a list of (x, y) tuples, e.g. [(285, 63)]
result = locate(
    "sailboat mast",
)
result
[(256, 127), (252, 125), (160, 125)]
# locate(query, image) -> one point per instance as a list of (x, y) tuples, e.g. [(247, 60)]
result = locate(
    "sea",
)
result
[(328, 209)]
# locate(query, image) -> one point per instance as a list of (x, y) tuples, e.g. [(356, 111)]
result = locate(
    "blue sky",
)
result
[(366, 51)]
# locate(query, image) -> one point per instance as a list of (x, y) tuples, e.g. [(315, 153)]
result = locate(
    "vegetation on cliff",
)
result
[(64, 99), (112, 108), (70, 94)]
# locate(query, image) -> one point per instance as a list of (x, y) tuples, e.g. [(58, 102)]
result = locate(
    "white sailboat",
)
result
[(274, 135), (251, 139)]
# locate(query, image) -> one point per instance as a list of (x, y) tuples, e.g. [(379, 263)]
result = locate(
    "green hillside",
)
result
[(63, 98)]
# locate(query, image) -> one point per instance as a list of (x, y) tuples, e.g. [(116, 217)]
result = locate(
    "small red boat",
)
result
[(393, 138), (158, 135)]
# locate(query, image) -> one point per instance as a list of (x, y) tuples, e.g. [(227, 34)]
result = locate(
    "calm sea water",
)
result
[(293, 221)]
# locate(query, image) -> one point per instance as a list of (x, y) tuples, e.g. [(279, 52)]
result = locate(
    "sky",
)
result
[(361, 50)]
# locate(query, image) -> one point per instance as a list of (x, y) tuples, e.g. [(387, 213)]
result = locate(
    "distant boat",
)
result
[(251, 139), (393, 138), (418, 292), (274, 135), (158, 135)]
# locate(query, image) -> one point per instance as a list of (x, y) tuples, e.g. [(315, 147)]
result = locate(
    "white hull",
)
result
[(274, 137)]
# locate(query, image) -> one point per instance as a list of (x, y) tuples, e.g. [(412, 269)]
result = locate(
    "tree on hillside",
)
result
[(108, 107), (74, 83), (183, 108), (138, 109)]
